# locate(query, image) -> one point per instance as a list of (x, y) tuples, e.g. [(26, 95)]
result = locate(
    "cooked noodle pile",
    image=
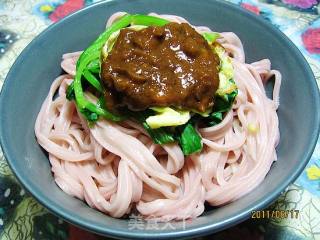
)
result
[(115, 167)]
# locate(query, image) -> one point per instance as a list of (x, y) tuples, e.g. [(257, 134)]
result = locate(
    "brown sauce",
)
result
[(171, 65)]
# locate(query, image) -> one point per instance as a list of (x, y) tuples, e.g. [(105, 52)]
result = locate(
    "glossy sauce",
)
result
[(171, 65)]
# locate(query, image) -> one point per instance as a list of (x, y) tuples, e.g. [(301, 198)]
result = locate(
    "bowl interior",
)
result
[(29, 80)]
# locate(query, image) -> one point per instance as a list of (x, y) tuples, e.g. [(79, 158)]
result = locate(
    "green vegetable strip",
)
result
[(210, 37), (148, 20), (92, 80), (94, 66), (70, 92), (102, 112), (159, 135), (80, 99), (215, 118), (222, 104), (190, 140)]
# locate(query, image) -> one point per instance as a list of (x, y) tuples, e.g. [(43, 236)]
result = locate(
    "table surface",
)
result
[(21, 217)]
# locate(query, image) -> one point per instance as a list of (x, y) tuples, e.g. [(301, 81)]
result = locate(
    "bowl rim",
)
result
[(195, 231)]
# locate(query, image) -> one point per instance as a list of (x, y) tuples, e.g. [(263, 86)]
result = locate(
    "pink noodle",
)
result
[(116, 167)]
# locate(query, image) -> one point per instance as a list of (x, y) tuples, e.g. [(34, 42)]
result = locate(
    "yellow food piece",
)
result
[(167, 117), (253, 128)]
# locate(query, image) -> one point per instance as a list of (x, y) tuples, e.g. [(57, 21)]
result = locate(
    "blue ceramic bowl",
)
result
[(29, 79)]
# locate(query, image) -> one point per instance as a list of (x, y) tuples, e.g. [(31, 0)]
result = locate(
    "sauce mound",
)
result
[(171, 65)]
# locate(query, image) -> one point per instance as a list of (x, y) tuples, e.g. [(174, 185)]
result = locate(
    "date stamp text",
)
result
[(278, 214)]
